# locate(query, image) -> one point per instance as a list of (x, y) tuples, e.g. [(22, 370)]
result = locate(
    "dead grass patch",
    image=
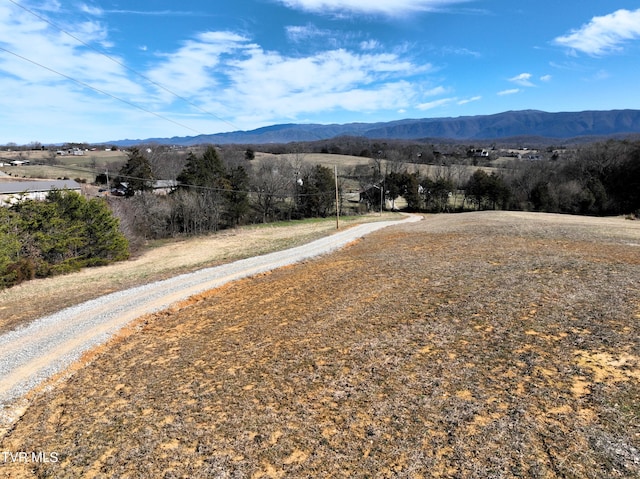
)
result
[(480, 345)]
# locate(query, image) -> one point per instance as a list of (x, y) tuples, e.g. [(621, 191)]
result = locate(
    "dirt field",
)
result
[(470, 346)]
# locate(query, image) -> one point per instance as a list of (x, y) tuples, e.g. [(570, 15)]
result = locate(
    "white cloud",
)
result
[(384, 7), (271, 85), (469, 100), (460, 52), (513, 91), (545, 78), (50, 6), (228, 74), (219, 71), (439, 90), (435, 104), (604, 34), (188, 71), (91, 10), (307, 32), (524, 79), (369, 45), (41, 54)]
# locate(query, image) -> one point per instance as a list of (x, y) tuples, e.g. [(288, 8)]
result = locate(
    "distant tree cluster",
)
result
[(601, 179), (214, 193), (598, 179), (219, 188), (61, 234)]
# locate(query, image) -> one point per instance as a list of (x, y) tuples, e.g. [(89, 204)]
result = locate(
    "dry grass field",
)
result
[(475, 345), (69, 166), (161, 260)]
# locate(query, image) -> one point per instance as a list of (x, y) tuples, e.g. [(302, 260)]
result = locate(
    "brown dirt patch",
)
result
[(476, 345)]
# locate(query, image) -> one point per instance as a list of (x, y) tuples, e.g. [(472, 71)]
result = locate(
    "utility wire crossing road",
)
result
[(48, 345)]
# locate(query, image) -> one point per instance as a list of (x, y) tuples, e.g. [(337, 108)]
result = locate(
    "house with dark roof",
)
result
[(14, 191)]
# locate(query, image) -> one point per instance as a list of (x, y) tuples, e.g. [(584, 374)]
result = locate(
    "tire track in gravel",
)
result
[(47, 346)]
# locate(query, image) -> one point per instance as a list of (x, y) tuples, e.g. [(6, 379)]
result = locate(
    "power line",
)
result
[(117, 62), (189, 186), (86, 85)]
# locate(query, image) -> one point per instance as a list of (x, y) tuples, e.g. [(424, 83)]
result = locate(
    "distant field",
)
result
[(63, 166), (348, 165)]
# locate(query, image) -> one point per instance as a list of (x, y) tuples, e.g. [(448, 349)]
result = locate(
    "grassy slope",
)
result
[(159, 261), (475, 345)]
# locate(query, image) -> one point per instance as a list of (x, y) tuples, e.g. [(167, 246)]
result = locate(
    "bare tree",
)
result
[(272, 181)]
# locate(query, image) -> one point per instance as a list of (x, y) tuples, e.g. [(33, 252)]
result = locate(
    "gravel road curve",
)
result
[(50, 344)]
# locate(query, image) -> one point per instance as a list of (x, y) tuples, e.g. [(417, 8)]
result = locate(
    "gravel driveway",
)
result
[(50, 344)]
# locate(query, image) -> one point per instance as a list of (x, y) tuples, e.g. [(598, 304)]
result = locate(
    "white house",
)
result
[(13, 191)]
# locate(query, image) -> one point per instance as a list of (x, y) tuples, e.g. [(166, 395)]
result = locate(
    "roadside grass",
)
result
[(474, 345), (160, 260)]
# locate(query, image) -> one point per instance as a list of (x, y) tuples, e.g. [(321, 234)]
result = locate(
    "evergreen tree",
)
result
[(64, 233), (205, 187), (237, 195), (207, 170), (136, 173), (316, 195)]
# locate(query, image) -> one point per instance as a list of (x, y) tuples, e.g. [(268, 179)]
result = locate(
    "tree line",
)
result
[(223, 187), (212, 194), (598, 179), (64, 233)]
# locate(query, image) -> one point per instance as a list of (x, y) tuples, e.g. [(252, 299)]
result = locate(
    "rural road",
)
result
[(48, 345)]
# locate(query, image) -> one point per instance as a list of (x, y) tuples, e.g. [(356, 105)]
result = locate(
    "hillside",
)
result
[(528, 123), (475, 345)]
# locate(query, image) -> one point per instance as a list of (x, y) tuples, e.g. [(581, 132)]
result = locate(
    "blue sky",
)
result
[(99, 70)]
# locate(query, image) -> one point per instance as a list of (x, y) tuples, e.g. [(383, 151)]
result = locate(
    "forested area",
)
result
[(64, 233), (597, 179)]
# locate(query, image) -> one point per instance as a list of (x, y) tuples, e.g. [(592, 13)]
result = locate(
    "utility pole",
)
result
[(335, 171)]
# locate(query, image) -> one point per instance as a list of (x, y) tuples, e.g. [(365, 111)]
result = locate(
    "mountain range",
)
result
[(510, 124)]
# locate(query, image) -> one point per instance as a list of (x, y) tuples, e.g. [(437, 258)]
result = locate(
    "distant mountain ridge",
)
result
[(525, 123)]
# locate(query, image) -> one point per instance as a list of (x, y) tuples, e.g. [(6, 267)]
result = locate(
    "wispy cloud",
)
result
[(469, 100), (546, 78), (512, 91), (605, 34), (299, 33), (42, 55), (155, 13), (229, 73), (91, 10), (459, 52), (523, 79), (439, 90), (435, 104), (384, 7), (370, 45)]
